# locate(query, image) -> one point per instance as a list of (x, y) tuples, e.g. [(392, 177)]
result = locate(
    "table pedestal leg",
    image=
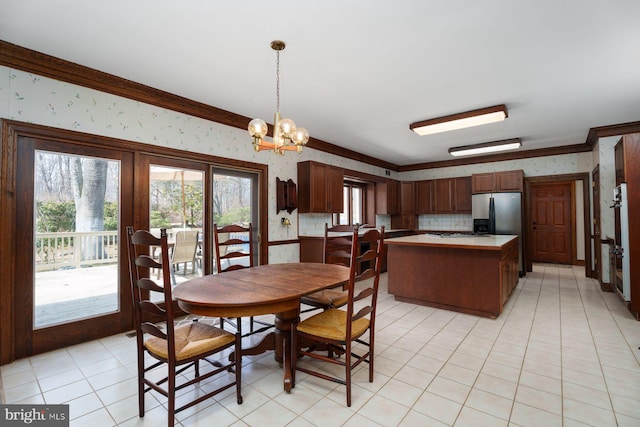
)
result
[(283, 343), (280, 342)]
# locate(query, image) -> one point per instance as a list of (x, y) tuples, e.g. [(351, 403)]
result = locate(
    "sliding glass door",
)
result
[(235, 200)]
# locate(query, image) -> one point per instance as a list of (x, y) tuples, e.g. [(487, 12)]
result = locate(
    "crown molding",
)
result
[(611, 130), (490, 158)]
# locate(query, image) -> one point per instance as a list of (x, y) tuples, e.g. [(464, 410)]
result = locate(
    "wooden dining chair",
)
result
[(233, 251), (178, 345), (341, 328), (336, 249)]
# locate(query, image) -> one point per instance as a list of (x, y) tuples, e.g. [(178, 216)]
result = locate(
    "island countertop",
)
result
[(486, 241)]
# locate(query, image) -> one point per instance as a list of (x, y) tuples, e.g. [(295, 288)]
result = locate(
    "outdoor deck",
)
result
[(79, 293)]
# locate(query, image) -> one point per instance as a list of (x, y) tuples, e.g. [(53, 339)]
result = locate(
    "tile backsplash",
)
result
[(310, 224), (455, 222)]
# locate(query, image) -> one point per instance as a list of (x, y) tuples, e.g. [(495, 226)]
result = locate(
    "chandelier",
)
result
[(286, 137)]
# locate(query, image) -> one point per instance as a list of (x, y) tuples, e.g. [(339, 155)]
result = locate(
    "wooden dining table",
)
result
[(264, 289)]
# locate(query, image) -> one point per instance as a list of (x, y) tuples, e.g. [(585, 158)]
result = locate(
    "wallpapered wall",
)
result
[(36, 99)]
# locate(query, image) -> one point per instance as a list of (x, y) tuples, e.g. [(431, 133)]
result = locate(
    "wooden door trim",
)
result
[(568, 197), (549, 179)]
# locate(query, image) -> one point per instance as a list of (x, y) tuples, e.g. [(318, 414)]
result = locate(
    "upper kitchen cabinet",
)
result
[(483, 182), (510, 181), (462, 194), (424, 197), (388, 197), (407, 197), (498, 182), (320, 188), (443, 201), (452, 195)]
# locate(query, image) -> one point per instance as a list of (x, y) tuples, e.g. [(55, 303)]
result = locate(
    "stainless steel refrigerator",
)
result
[(504, 214)]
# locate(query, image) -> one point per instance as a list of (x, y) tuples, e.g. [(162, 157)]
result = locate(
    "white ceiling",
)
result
[(357, 73)]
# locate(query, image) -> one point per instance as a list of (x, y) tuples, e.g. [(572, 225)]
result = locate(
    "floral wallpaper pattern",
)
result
[(36, 99)]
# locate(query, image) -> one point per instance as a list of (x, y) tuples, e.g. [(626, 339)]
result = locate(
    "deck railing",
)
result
[(74, 250)]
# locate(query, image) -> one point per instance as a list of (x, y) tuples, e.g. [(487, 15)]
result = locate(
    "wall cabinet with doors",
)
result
[(443, 202), (498, 182), (462, 194), (424, 197), (452, 195), (627, 157), (388, 197), (407, 197), (407, 219), (319, 188)]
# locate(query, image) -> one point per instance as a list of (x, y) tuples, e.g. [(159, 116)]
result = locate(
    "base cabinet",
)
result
[(467, 280)]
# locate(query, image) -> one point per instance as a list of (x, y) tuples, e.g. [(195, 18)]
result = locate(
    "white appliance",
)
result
[(502, 212), (621, 248)]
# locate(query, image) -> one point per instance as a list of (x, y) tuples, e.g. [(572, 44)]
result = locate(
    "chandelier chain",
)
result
[(278, 80)]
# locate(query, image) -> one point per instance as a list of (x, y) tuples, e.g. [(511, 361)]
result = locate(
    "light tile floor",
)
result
[(561, 354)]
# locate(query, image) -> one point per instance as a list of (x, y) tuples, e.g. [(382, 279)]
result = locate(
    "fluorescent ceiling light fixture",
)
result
[(461, 120), (486, 147)]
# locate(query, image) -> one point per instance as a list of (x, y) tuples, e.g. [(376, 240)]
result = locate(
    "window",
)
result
[(354, 204)]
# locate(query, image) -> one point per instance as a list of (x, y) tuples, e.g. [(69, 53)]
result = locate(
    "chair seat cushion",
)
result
[(332, 324), (326, 298), (192, 339)]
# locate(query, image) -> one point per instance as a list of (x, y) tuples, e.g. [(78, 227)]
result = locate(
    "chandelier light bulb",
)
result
[(257, 128), (300, 136), (287, 127)]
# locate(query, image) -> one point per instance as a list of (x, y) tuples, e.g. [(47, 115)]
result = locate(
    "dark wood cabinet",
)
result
[(483, 182), (452, 195), (424, 197), (443, 201), (407, 197), (286, 196), (320, 188), (335, 189), (462, 194), (620, 161), (627, 157), (510, 181), (497, 182), (388, 197), (404, 222)]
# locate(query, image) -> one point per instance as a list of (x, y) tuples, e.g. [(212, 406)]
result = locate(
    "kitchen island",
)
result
[(468, 274)]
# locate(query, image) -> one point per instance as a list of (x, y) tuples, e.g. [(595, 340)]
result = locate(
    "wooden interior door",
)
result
[(551, 221)]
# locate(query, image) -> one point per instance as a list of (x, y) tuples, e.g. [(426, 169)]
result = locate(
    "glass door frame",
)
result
[(142, 206), (50, 337)]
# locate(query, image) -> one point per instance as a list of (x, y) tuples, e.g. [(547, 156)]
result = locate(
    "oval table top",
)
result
[(263, 289)]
